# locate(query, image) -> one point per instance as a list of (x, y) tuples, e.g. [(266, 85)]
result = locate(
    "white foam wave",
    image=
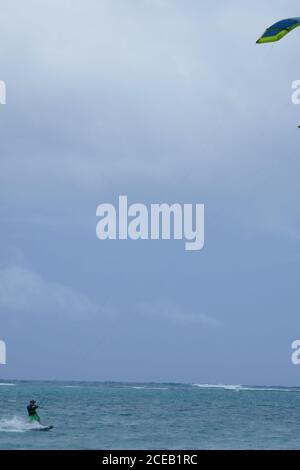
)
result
[(71, 386), (135, 387), (4, 384), (17, 424), (221, 386), (158, 388), (270, 389), (238, 388)]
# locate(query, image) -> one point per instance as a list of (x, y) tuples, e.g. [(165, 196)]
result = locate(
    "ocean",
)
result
[(89, 415)]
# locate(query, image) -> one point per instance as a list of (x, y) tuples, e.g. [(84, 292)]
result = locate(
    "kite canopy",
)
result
[(278, 30)]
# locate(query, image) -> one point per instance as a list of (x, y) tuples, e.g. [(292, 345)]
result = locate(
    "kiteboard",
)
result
[(43, 428)]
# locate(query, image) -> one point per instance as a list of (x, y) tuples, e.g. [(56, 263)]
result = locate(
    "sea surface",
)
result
[(150, 416)]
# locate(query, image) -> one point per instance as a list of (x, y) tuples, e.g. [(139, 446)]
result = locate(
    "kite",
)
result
[(278, 30)]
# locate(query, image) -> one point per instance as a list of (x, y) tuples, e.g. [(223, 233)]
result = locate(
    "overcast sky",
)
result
[(163, 101)]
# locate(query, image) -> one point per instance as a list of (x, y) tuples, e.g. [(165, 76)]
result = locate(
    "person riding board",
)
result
[(32, 413)]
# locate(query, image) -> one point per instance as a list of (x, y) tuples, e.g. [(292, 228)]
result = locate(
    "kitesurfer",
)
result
[(32, 413)]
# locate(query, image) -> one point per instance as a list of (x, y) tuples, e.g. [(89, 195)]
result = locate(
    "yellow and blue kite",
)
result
[(278, 30)]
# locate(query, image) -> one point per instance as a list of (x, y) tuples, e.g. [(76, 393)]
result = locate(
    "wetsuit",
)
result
[(33, 416)]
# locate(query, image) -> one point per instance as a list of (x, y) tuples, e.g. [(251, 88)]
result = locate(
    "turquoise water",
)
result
[(150, 416)]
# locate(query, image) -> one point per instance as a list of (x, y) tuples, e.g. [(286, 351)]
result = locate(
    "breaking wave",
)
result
[(238, 388), (221, 386)]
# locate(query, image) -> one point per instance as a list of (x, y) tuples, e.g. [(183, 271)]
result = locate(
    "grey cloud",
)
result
[(175, 313), (131, 94), (23, 290)]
